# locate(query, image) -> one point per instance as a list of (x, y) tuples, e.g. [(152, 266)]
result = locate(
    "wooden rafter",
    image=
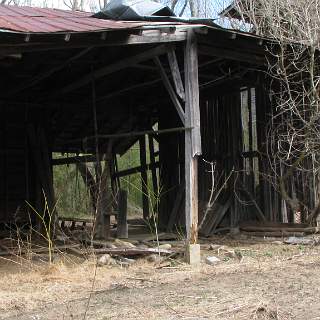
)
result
[(238, 55), (112, 68), (37, 79)]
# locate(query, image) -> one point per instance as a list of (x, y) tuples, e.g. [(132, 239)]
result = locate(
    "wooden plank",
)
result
[(144, 178), (279, 229), (73, 160), (176, 207), (193, 138), (232, 55), (153, 166), (170, 89), (192, 90), (175, 72), (133, 134), (219, 215), (80, 220), (122, 224), (131, 251), (134, 170), (109, 69), (273, 224), (273, 234), (114, 39)]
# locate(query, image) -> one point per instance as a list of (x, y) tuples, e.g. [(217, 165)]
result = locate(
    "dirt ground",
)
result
[(253, 281)]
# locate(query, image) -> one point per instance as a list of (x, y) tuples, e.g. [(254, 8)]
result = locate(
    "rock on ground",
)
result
[(212, 260)]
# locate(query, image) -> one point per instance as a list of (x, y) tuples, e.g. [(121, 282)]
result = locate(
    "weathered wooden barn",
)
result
[(75, 84)]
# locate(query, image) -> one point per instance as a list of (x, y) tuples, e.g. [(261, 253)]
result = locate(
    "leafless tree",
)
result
[(194, 8), (294, 73)]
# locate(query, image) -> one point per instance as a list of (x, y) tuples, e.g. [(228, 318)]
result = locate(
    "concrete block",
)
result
[(193, 256)]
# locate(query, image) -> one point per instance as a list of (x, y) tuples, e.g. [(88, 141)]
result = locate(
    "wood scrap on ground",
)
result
[(15, 251), (270, 229), (215, 216), (131, 251)]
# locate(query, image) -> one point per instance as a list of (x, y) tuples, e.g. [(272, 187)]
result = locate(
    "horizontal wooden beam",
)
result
[(113, 38), (237, 55), (72, 160), (133, 134), (134, 170), (151, 82)]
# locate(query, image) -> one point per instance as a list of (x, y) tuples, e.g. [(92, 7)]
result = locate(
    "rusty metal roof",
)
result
[(44, 20)]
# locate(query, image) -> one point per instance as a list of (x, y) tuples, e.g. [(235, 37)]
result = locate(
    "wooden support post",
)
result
[(104, 202), (116, 170), (192, 147), (122, 225), (144, 178), (42, 162), (103, 178), (89, 182), (153, 166)]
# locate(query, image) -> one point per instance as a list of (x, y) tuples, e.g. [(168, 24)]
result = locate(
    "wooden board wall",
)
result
[(14, 164)]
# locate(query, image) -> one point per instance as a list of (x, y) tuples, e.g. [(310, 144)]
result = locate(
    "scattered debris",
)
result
[(142, 246), (165, 246), (131, 251), (154, 258), (277, 242), (276, 229), (162, 236), (16, 251), (296, 240), (123, 244), (212, 260), (234, 230), (106, 259), (230, 254), (215, 246), (125, 262)]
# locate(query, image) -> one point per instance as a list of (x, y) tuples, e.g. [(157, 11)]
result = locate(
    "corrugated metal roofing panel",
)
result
[(38, 20)]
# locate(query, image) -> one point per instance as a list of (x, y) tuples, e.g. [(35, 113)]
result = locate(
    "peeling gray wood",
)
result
[(176, 75), (192, 138), (171, 91)]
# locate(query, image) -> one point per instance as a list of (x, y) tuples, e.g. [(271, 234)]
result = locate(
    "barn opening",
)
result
[(189, 103)]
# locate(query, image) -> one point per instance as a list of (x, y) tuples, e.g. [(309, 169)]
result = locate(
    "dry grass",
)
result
[(270, 281)]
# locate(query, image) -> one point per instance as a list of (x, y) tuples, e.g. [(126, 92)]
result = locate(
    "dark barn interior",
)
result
[(92, 92)]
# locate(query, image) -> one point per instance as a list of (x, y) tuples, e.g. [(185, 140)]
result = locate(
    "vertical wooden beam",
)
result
[(122, 225), (144, 177), (42, 162), (192, 138), (153, 166), (116, 170)]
